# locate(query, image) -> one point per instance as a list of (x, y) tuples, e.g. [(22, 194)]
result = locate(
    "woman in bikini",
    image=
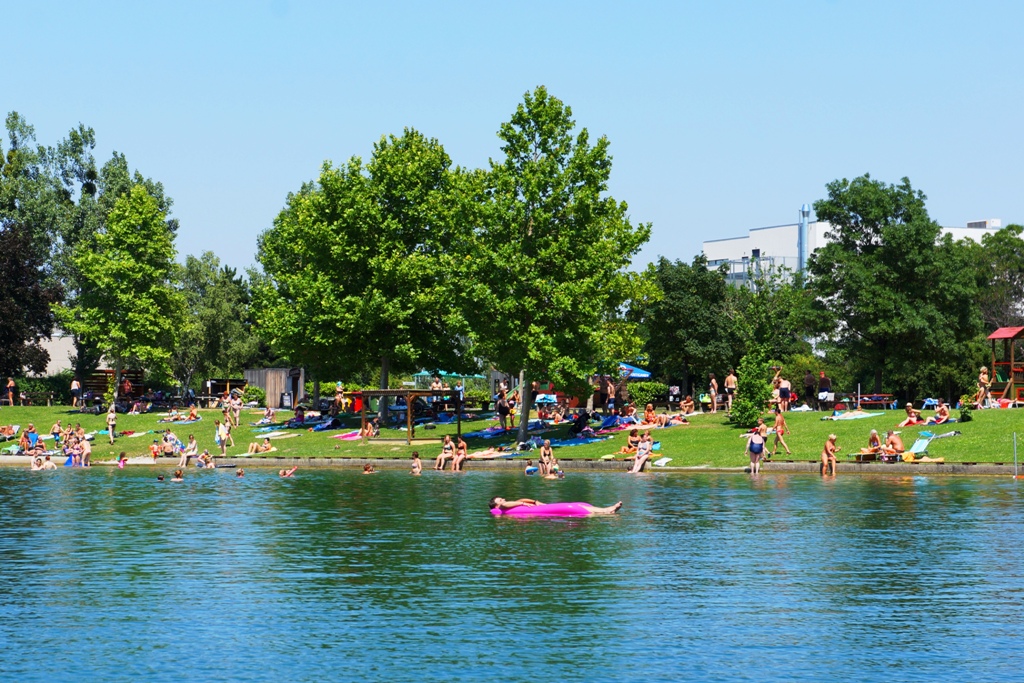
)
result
[(547, 457), (913, 417), (643, 453), (447, 453), (713, 391), (461, 453), (632, 441)]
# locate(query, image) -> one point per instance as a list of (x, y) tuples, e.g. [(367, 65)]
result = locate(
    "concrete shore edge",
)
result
[(571, 465)]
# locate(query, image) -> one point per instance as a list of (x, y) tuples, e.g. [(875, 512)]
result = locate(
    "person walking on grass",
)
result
[(111, 422), (781, 428), (221, 436)]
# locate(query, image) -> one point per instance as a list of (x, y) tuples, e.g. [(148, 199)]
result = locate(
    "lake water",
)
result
[(334, 576)]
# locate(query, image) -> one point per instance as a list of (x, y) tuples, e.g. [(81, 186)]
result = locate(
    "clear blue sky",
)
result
[(722, 115)]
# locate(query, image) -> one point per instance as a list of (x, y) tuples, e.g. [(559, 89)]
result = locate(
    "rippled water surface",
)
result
[(111, 575)]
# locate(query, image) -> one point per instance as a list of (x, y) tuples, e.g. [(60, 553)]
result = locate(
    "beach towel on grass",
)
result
[(330, 424), (348, 436), (559, 443), (187, 422), (858, 415), (488, 433)]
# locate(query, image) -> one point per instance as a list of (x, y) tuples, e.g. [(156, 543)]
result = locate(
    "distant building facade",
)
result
[(777, 246)]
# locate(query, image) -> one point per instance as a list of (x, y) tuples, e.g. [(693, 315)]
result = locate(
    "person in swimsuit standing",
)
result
[(730, 388), (780, 430), (111, 423), (547, 456), (984, 386), (828, 455), (755, 448), (713, 390)]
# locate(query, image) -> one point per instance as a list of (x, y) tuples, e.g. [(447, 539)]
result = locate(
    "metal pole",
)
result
[(1015, 455)]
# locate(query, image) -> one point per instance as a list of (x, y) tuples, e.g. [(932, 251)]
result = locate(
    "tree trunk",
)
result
[(684, 386), (878, 381), (385, 372), (524, 408), (117, 379), (316, 393)]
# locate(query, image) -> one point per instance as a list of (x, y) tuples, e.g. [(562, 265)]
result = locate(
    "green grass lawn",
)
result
[(708, 441)]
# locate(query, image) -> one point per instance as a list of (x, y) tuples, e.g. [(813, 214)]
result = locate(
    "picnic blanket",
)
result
[(187, 422), (348, 436)]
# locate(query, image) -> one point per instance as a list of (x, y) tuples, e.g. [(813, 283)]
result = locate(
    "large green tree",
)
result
[(1000, 258), (26, 297), (57, 195), (363, 267), (129, 307), (215, 339), (552, 251), (901, 296), (690, 331)]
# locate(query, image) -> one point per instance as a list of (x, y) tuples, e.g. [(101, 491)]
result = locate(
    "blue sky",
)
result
[(722, 116)]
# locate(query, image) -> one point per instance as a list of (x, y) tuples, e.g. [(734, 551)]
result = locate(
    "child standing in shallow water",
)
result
[(417, 465)]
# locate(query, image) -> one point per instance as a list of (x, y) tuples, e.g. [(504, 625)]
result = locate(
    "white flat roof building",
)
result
[(776, 246)]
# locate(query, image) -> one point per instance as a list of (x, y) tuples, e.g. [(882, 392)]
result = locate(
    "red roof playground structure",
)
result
[(1007, 374)]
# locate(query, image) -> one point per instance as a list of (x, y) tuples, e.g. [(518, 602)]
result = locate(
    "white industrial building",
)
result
[(778, 246)]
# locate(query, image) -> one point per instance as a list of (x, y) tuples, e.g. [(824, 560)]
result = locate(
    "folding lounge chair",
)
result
[(919, 448)]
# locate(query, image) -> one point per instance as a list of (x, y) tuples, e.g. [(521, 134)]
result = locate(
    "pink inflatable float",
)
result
[(547, 510)]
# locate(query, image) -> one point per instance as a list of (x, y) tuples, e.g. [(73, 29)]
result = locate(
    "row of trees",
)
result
[(889, 302), (408, 262), (90, 248)]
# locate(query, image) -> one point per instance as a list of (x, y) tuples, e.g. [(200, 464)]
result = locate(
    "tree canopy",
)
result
[(552, 248), (901, 297), (690, 329), (128, 308), (363, 266)]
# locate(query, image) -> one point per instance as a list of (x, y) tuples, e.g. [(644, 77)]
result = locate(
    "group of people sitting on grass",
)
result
[(914, 417)]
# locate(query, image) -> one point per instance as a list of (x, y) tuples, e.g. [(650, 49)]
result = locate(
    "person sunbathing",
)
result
[(460, 456), (643, 453), (913, 417), (874, 442), (488, 454), (447, 453), (264, 447), (632, 442), (172, 416), (893, 442), (502, 504), (941, 414), (193, 413), (650, 418), (688, 406)]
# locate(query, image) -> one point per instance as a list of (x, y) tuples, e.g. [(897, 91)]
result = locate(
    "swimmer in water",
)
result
[(368, 469), (503, 504), (159, 477), (177, 476), (239, 472), (288, 473), (37, 465), (417, 465)]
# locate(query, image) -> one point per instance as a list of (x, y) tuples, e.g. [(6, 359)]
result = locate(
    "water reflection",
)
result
[(339, 575)]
